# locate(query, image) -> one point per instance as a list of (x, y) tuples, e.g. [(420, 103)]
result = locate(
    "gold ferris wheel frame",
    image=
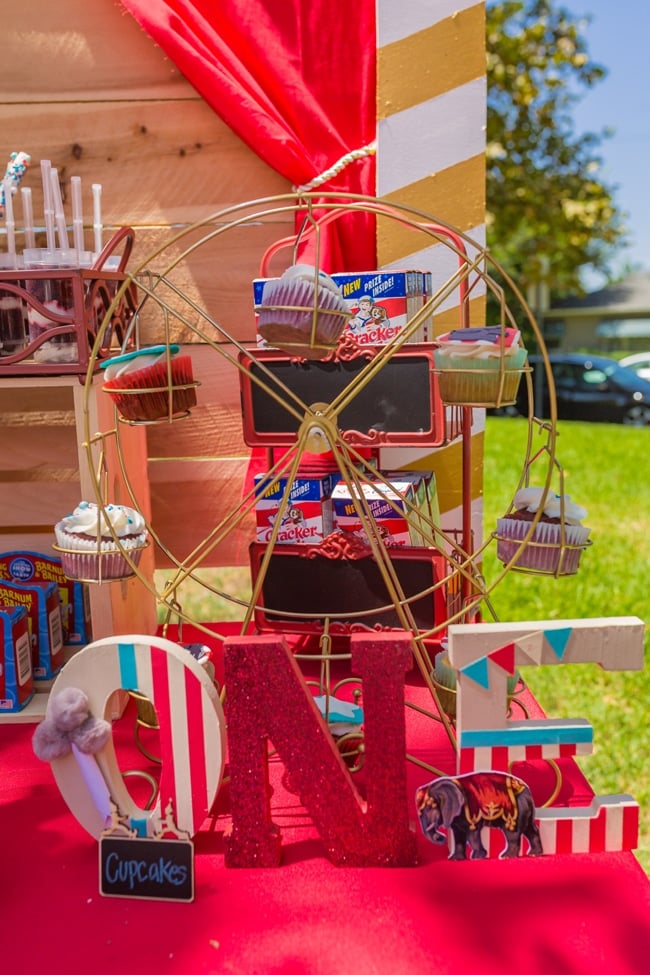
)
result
[(315, 211)]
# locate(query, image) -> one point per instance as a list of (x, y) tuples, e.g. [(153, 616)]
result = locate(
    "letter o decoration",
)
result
[(190, 718)]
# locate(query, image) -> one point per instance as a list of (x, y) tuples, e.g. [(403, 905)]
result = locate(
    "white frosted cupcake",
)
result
[(480, 366), (302, 313), (86, 541), (556, 543)]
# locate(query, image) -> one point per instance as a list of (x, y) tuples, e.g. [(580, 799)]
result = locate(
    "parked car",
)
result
[(639, 363), (588, 387)]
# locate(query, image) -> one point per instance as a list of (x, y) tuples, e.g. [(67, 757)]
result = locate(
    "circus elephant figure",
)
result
[(464, 804)]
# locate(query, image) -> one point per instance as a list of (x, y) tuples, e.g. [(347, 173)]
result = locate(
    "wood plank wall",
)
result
[(83, 86)]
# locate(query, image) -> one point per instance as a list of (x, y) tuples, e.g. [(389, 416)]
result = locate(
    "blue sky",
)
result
[(618, 38)]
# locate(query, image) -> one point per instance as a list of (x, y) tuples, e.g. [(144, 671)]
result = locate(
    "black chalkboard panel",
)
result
[(399, 406), (146, 868), (342, 588)]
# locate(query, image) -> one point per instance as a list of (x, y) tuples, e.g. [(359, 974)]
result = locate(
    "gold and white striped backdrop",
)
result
[(431, 118)]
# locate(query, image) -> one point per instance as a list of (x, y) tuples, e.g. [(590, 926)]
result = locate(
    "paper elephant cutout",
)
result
[(462, 805)]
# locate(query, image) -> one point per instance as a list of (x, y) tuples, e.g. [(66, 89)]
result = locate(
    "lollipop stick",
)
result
[(28, 216), (7, 186), (46, 166), (58, 209), (77, 214), (97, 217)]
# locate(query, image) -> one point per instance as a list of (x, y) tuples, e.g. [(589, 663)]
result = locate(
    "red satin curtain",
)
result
[(296, 80)]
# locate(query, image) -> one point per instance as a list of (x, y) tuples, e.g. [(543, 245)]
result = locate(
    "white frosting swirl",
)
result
[(88, 519), (306, 272), (556, 505), (115, 369), (476, 350)]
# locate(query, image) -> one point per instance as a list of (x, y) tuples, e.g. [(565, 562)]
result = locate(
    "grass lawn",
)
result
[(607, 471)]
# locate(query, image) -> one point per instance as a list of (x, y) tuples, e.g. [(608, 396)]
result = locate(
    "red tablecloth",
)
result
[(571, 915)]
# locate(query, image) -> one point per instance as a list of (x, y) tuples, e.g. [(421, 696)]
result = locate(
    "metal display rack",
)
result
[(457, 590)]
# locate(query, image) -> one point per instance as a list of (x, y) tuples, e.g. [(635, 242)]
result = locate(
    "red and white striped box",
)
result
[(16, 680)]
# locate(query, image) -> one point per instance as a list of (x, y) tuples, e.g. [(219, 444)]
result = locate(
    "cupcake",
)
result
[(557, 540), (302, 313), (445, 681), (480, 366), (140, 382), (86, 541)]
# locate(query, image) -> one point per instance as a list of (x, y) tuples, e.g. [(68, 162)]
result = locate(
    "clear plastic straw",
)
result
[(46, 165), (28, 216), (97, 218), (59, 214), (77, 214), (7, 186)]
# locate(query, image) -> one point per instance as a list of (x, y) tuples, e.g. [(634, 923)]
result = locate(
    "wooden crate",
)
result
[(45, 472), (89, 90)]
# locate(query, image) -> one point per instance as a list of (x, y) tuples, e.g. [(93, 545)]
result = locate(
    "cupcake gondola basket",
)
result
[(542, 532), (99, 541)]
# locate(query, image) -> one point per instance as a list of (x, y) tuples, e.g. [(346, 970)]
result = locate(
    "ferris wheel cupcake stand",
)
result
[(320, 615)]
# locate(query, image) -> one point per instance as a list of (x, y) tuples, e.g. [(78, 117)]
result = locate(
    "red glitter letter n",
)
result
[(266, 697)]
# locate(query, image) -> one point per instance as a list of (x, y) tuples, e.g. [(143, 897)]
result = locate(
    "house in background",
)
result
[(613, 319)]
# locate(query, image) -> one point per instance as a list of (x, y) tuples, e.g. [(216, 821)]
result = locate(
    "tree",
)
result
[(546, 206)]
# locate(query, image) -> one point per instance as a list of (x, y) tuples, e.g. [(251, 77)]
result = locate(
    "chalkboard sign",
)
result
[(146, 868), (399, 406), (342, 588)]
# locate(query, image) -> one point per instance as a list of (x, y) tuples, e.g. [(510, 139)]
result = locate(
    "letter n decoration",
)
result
[(267, 698)]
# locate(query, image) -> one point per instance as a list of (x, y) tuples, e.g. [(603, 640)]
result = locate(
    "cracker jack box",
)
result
[(307, 518), (389, 507), (381, 303), (75, 602), (41, 600), (16, 680), (428, 506)]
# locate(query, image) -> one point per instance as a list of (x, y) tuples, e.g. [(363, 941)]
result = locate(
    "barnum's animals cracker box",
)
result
[(16, 681), (307, 517), (29, 567), (41, 600)]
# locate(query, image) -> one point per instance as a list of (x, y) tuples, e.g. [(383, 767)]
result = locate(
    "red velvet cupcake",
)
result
[(88, 541), (557, 541), (150, 384)]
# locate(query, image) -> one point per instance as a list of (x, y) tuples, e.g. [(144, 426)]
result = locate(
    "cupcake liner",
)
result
[(143, 394), (544, 552), (286, 317), (468, 381), (445, 674), (82, 559), (90, 567)]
